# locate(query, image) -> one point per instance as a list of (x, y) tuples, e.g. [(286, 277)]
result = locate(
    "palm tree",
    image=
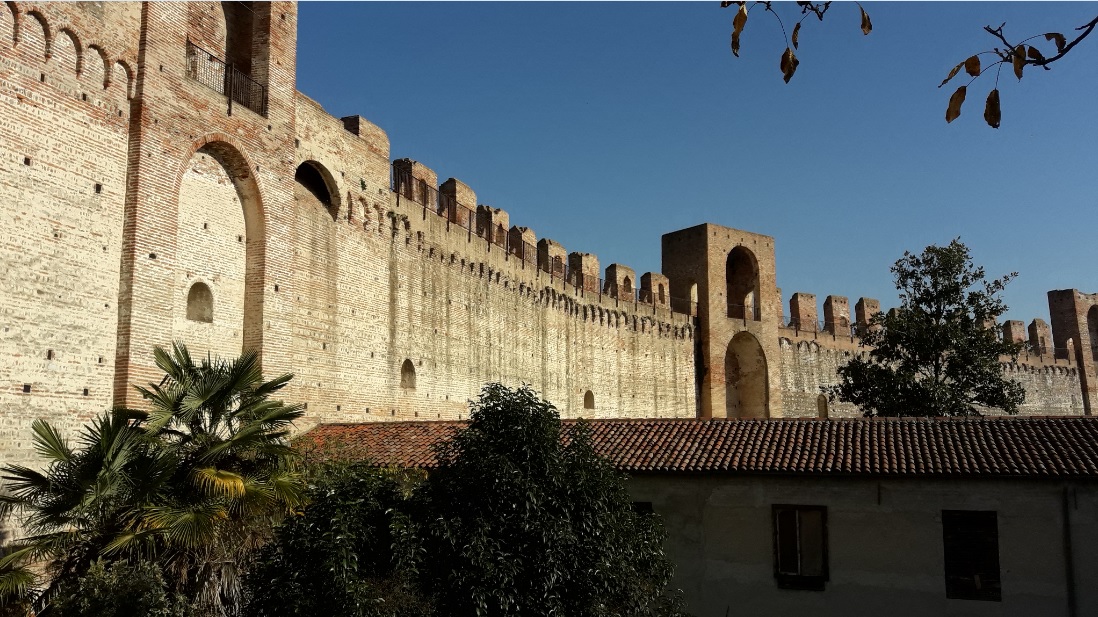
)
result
[(195, 482), (236, 473)]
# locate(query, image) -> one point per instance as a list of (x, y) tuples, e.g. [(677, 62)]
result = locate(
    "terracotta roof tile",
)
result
[(992, 447)]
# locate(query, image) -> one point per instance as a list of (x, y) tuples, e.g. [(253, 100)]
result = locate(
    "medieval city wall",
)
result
[(810, 360), (142, 209), (381, 280)]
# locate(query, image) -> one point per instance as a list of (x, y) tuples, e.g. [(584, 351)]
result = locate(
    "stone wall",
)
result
[(65, 78), (810, 361), (143, 209)]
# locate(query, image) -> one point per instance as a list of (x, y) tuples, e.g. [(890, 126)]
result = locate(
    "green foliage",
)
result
[(352, 551), (118, 590), (938, 353), (195, 483), (518, 521)]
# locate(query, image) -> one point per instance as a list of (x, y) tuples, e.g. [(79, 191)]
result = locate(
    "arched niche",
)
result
[(34, 36), (221, 237), (747, 392), (589, 400), (821, 406), (65, 56), (200, 303), (408, 375), (314, 183), (742, 284)]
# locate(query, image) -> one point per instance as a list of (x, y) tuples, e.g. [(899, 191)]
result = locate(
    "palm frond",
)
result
[(219, 482), (49, 443)]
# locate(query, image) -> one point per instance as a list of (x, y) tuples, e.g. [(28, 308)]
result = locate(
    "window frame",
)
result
[(806, 582), (956, 550)]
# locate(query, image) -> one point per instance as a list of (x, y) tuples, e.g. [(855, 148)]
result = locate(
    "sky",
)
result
[(606, 125)]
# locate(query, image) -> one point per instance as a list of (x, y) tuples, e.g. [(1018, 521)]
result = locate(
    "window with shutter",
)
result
[(971, 541), (800, 546)]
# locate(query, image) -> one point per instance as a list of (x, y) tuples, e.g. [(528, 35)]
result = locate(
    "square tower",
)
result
[(728, 275)]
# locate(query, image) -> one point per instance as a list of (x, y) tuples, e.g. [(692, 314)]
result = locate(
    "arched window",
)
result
[(821, 406), (662, 296), (558, 265), (627, 283), (408, 375), (200, 303), (589, 400), (742, 278)]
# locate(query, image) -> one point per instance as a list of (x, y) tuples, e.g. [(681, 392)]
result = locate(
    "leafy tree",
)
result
[(194, 483), (1017, 54), (937, 354), (523, 517), (352, 551)]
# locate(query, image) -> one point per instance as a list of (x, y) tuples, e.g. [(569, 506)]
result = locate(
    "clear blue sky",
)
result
[(605, 125)]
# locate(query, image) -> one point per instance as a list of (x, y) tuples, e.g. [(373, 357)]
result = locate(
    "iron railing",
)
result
[(457, 214), (224, 78)]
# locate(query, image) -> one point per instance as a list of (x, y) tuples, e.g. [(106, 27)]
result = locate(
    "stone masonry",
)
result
[(161, 179)]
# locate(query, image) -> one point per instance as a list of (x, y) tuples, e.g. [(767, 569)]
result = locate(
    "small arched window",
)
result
[(821, 406), (408, 375), (200, 305), (663, 297), (627, 283), (589, 400)]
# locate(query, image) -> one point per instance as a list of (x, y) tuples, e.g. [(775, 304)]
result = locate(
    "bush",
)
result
[(350, 552), (118, 590)]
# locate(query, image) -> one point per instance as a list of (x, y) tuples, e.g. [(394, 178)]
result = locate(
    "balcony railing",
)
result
[(224, 78)]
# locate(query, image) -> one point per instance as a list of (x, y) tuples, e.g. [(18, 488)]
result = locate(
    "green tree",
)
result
[(352, 551), (523, 517), (938, 353), (194, 483)]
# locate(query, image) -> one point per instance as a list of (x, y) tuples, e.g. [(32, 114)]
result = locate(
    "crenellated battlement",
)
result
[(234, 213)]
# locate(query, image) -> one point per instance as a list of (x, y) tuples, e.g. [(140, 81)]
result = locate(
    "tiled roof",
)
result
[(987, 447)]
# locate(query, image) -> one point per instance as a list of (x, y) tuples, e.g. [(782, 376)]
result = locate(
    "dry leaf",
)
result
[(972, 66), (992, 113), (789, 64), (955, 101), (867, 26), (796, 31), (1059, 38), (1019, 60), (1036, 54), (738, 22), (952, 74)]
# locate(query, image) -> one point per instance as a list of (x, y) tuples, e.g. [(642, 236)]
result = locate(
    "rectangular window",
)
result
[(971, 540), (800, 546)]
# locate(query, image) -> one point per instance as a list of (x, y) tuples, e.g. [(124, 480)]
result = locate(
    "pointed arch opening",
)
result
[(742, 284), (589, 400), (747, 392), (821, 406), (408, 375)]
